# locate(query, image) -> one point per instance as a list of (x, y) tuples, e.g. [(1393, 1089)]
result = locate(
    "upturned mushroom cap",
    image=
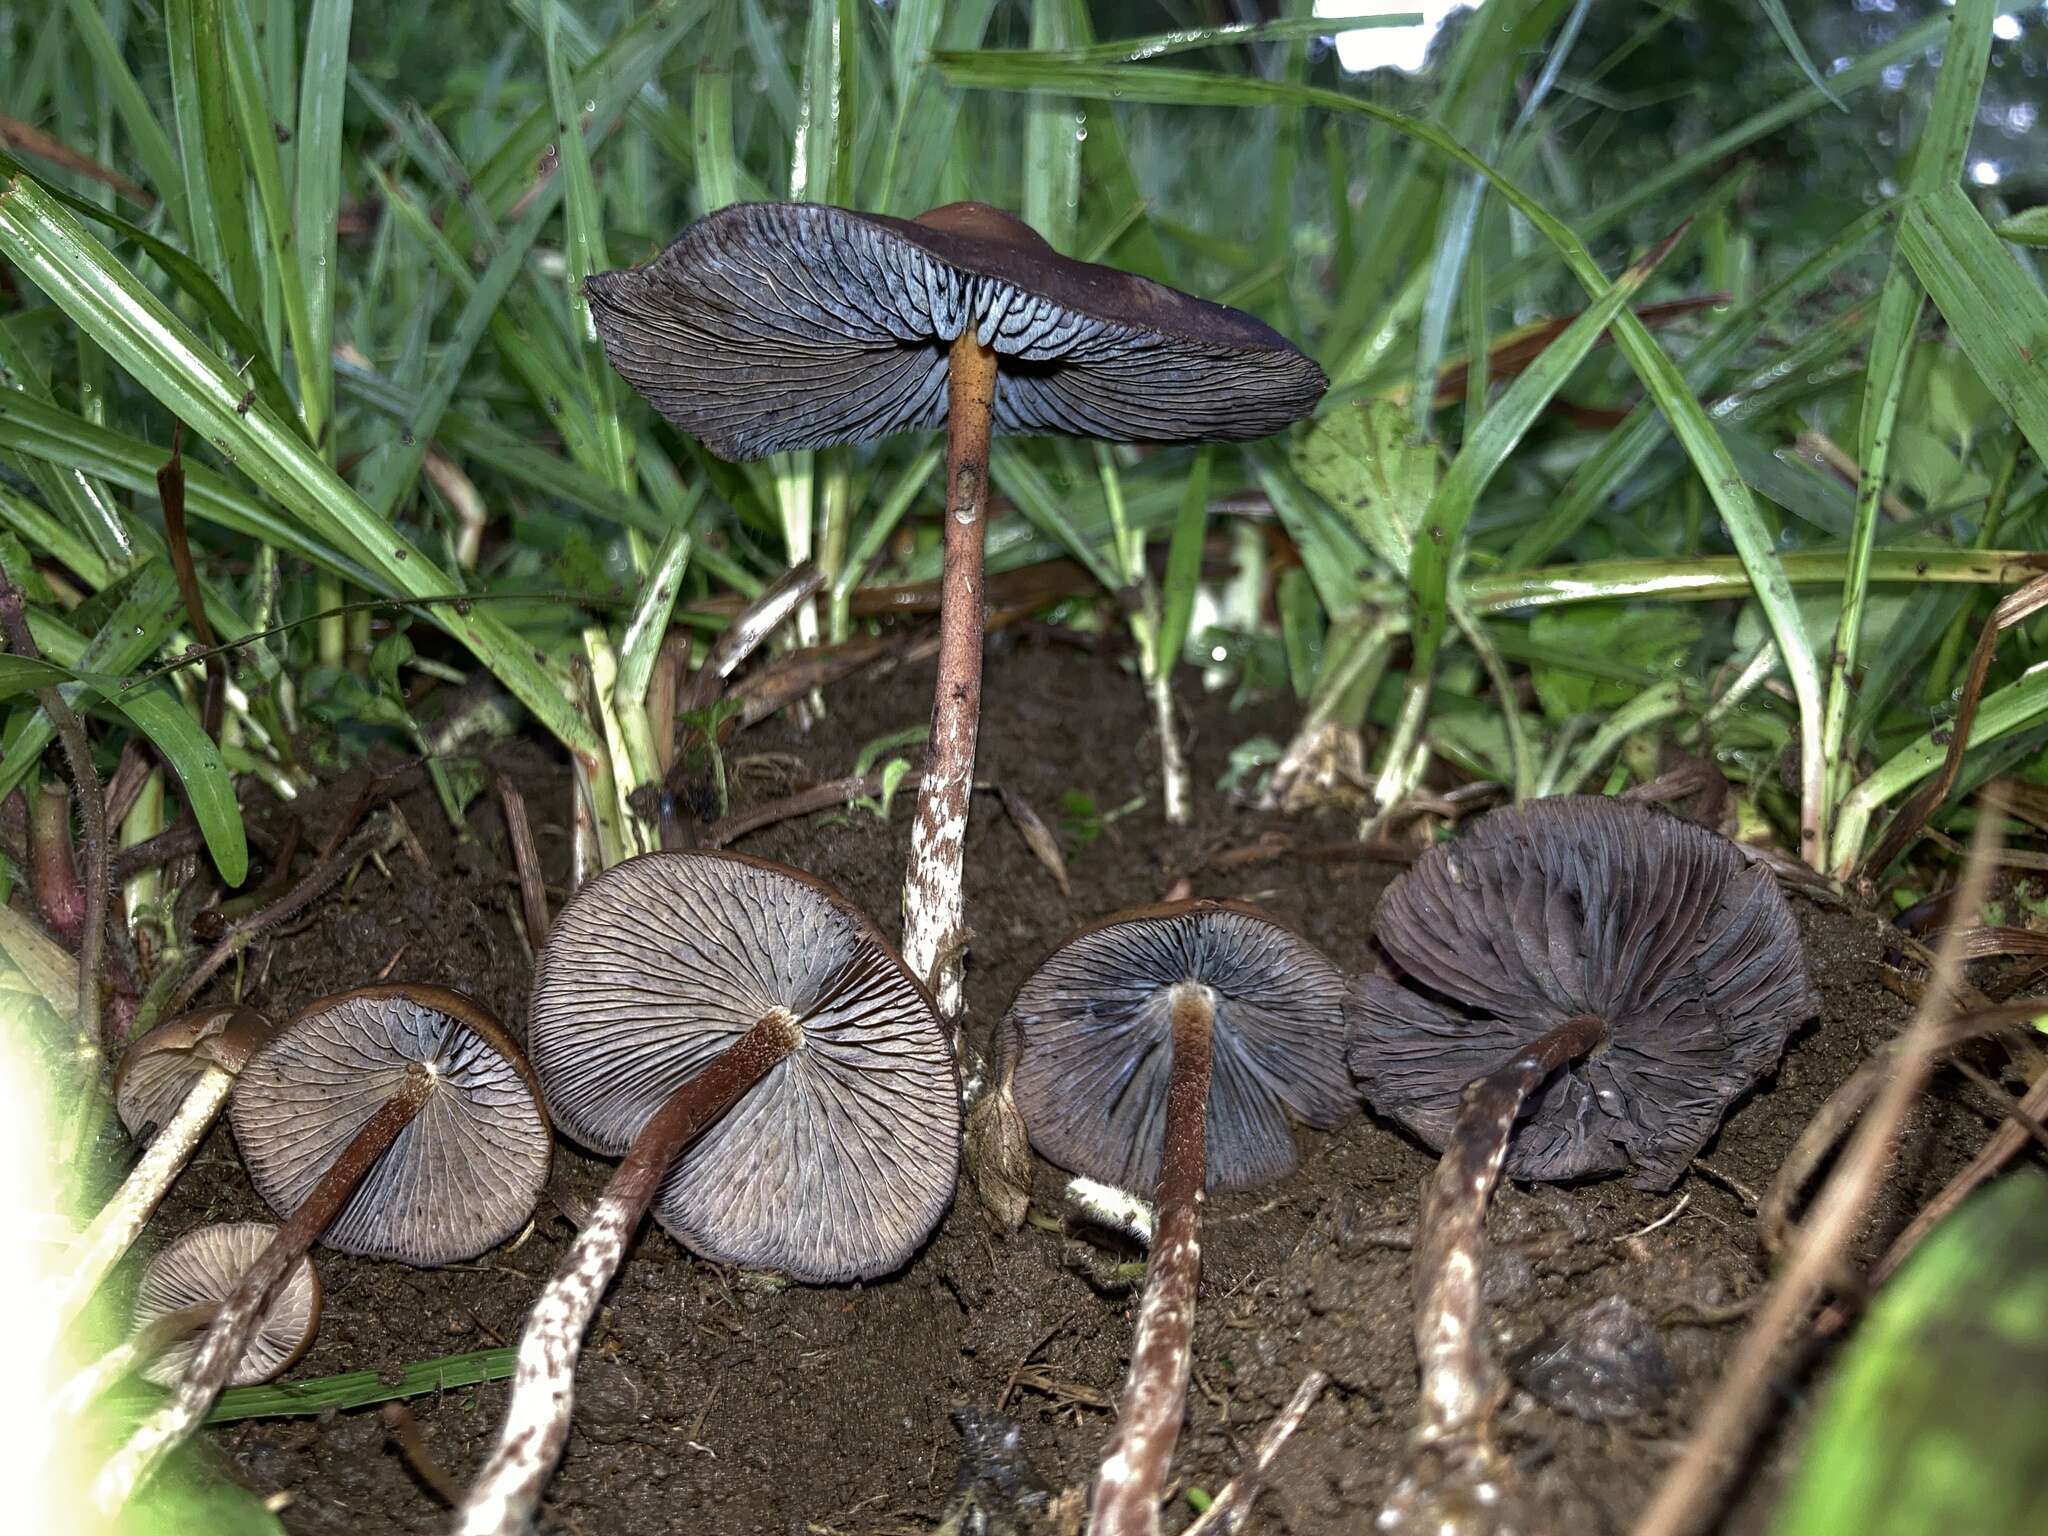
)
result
[(839, 1161), (1093, 1031), (205, 1266), (159, 1067), (462, 1177), (768, 326), (1575, 905)]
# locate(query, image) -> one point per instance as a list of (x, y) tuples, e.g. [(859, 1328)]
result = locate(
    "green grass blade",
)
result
[(316, 203), (216, 187), (1997, 313), (151, 144), (1184, 557), (1789, 36), (1052, 149), (359, 1389), (105, 301), (208, 790)]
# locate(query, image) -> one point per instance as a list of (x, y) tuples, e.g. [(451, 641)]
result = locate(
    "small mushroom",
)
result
[(169, 1088), (1169, 1048), (770, 326), (180, 1295), (1576, 986), (777, 1082), (183, 1289), (396, 1122)]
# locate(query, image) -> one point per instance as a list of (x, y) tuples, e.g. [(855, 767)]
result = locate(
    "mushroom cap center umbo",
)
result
[(837, 1162), (984, 221), (1577, 905), (1093, 1033)]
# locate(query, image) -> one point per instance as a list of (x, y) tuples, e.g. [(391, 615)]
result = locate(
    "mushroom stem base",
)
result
[(934, 929), (1460, 1385), (100, 1246), (507, 1491), (1133, 1474), (242, 1313)]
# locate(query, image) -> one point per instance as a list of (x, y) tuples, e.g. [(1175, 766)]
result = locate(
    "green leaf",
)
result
[(152, 145), (2029, 228), (216, 189), (1184, 558), (316, 204), (1789, 36), (1995, 310), (23, 674), (1935, 1416), (1368, 462), (193, 756), (1617, 634)]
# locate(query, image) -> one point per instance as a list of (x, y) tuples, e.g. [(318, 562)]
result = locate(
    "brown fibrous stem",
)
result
[(933, 914), (92, 813), (1132, 1478), (131, 1354), (242, 1313), (507, 1491), (1460, 1385)]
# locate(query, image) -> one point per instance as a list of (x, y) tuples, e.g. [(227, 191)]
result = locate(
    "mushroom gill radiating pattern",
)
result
[(1574, 905), (1094, 1033), (462, 1177), (838, 1162), (767, 326), (205, 1266)]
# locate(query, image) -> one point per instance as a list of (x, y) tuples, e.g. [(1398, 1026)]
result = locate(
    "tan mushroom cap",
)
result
[(1093, 1029), (158, 1068), (839, 1162), (797, 325), (205, 1266), (462, 1177)]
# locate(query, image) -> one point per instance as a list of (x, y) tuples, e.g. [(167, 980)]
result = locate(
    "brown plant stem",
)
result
[(52, 866), (92, 813), (404, 1432), (1133, 1475), (133, 1352), (1690, 1491), (933, 914), (242, 1313), (507, 1491), (533, 895)]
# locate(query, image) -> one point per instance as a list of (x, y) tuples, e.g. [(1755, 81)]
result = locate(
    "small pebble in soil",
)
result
[(1604, 1363)]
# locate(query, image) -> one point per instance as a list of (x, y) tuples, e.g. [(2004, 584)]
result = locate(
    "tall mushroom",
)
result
[(777, 1082), (395, 1122), (1576, 986), (770, 326), (1168, 1048), (169, 1088), (180, 1295)]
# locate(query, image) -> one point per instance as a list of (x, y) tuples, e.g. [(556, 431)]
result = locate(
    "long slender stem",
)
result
[(507, 1491), (1460, 1386), (242, 1313), (933, 913), (1133, 1475), (100, 1246), (133, 1352)]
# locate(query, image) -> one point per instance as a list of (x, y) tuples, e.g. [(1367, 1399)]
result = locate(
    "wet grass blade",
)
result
[(316, 203), (216, 187), (146, 136)]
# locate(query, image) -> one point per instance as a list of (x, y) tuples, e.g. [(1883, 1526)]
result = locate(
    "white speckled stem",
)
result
[(1460, 1385), (934, 918), (1173, 763), (132, 1353), (507, 1491), (100, 1246), (1133, 1475), (242, 1313)]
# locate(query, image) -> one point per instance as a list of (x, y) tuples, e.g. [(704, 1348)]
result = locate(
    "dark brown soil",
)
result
[(721, 1402)]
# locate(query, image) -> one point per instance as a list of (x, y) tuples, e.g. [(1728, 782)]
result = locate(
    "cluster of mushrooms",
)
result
[(1574, 987)]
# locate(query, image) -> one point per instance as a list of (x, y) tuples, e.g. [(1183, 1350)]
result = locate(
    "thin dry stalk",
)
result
[(1692, 1489), (533, 895), (1227, 1512)]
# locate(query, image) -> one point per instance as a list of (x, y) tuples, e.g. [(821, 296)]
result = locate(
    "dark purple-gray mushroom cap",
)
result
[(202, 1268), (160, 1067), (1093, 1032), (1581, 905), (768, 326), (462, 1176), (840, 1160)]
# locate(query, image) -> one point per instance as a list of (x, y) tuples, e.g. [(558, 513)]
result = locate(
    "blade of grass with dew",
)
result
[(146, 136), (1623, 450), (1937, 161), (1184, 557), (1052, 149), (140, 334), (216, 186), (1998, 314)]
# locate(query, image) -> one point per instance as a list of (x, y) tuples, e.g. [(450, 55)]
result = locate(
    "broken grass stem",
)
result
[(507, 1491), (1133, 1475)]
